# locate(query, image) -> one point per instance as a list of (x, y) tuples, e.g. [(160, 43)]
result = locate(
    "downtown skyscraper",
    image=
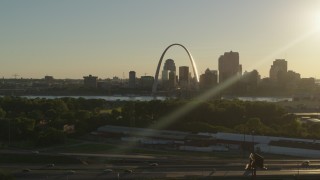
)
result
[(229, 66)]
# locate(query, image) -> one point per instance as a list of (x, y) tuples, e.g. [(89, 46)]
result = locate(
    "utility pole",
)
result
[(9, 131), (244, 142), (15, 76), (252, 141), (254, 164)]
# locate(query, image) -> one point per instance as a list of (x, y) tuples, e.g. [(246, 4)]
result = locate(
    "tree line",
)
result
[(42, 121)]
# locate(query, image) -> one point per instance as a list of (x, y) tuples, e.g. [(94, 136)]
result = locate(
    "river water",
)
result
[(266, 99), (149, 98), (107, 98)]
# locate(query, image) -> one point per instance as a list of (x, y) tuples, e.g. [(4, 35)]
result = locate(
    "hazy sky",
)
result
[(74, 38)]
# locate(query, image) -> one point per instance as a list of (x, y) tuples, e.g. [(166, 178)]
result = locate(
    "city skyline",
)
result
[(110, 38)]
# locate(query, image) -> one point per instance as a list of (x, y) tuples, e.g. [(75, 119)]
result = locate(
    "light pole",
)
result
[(252, 141), (254, 165), (244, 141), (9, 132)]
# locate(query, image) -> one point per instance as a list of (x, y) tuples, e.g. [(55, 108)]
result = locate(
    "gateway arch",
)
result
[(195, 71)]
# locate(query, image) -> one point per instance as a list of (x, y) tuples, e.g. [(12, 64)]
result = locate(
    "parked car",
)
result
[(108, 170), (50, 165), (71, 172), (26, 170), (128, 171), (305, 164), (35, 152), (153, 164)]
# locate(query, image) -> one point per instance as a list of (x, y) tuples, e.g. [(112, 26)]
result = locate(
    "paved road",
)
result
[(92, 174), (168, 167), (96, 171)]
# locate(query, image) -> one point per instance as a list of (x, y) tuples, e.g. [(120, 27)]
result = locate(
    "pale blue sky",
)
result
[(70, 39)]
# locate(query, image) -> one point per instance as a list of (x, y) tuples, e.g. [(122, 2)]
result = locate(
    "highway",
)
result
[(97, 174), (116, 166), (163, 170)]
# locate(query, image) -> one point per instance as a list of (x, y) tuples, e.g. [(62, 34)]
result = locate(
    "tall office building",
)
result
[(146, 82), (184, 76), (169, 66), (49, 79), (172, 80), (90, 81), (229, 66), (165, 75), (132, 79), (209, 79), (293, 79), (278, 69), (251, 79)]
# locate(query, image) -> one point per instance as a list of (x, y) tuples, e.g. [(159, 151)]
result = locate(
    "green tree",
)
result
[(294, 129), (4, 129), (314, 130), (83, 115), (51, 136), (4, 175), (36, 114), (51, 114), (2, 113)]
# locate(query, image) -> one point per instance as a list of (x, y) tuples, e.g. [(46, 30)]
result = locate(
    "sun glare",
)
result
[(317, 20)]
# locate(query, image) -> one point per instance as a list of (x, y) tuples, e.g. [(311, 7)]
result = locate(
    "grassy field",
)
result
[(108, 111)]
